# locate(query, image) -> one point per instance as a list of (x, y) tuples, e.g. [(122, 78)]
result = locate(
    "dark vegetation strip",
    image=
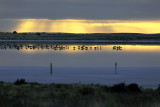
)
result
[(75, 43), (23, 94), (70, 36)]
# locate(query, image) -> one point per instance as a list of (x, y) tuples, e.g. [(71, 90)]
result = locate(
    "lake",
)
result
[(84, 63)]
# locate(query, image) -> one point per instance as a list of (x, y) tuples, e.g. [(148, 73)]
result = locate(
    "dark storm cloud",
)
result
[(81, 9)]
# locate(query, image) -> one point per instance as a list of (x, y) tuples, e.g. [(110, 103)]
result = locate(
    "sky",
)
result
[(81, 9), (13, 11)]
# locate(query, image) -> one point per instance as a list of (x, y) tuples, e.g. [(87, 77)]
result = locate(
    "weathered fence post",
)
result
[(50, 68), (115, 67)]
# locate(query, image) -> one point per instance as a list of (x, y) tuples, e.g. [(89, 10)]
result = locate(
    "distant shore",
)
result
[(107, 38), (91, 41)]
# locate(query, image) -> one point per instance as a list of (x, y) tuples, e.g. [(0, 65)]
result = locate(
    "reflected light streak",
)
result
[(30, 50), (34, 51), (133, 48), (87, 26), (67, 49), (93, 48)]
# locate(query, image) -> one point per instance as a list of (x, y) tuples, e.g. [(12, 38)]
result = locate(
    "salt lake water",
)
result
[(85, 63)]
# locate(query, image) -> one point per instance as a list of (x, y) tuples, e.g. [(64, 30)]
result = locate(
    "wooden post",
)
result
[(115, 67), (50, 68)]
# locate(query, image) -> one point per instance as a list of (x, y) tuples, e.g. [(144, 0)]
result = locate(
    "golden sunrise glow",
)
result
[(69, 27), (133, 48), (91, 48), (87, 26), (142, 48), (28, 49)]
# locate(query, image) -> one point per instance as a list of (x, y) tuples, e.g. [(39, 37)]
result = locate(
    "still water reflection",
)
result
[(87, 63), (79, 55)]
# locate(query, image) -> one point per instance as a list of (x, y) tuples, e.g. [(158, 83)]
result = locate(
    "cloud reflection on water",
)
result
[(79, 48)]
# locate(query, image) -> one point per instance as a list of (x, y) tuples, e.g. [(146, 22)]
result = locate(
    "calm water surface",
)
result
[(85, 63)]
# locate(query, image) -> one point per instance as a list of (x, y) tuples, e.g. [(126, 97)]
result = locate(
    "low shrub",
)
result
[(133, 88), (20, 81), (119, 88)]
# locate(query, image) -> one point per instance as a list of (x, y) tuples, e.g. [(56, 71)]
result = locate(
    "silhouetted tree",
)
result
[(38, 34), (14, 32)]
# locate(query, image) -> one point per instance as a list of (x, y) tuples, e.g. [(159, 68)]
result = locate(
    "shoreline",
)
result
[(90, 41)]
